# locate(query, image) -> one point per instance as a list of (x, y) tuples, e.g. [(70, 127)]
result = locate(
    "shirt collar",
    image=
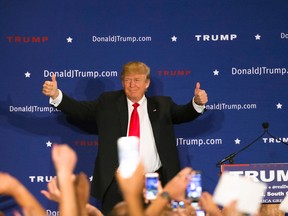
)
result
[(143, 99)]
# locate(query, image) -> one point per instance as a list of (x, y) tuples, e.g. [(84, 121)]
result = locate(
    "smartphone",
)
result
[(175, 205), (151, 185), (199, 211), (194, 188), (128, 155)]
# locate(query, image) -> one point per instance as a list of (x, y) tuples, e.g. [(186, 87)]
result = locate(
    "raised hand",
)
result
[(64, 158), (207, 203), (200, 95), (176, 186), (53, 192), (50, 88)]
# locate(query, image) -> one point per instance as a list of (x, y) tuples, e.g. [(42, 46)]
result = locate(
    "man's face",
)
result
[(135, 86)]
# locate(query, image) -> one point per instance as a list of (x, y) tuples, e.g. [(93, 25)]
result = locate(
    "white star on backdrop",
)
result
[(216, 72), (69, 39), (257, 37), (90, 178), (279, 106), (237, 141), (174, 38), (49, 144), (27, 74)]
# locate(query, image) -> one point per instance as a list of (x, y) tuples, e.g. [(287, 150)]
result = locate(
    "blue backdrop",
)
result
[(237, 50)]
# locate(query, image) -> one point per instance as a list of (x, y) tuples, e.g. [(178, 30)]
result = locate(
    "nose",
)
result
[(132, 82)]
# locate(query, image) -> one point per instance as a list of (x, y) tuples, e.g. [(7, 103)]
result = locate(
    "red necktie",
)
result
[(134, 127)]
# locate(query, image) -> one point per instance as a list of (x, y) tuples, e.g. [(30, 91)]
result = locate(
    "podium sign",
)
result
[(275, 175)]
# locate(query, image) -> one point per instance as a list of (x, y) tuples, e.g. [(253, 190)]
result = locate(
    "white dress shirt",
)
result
[(148, 152)]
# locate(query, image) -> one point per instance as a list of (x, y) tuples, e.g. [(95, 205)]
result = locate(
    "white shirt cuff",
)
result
[(57, 100), (198, 108)]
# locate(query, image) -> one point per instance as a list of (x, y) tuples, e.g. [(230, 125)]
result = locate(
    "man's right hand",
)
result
[(50, 88)]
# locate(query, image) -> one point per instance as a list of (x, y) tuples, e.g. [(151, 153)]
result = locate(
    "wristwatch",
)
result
[(166, 196)]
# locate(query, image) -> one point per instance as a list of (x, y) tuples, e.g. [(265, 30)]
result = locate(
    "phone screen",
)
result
[(194, 188), (151, 183), (175, 205), (199, 212)]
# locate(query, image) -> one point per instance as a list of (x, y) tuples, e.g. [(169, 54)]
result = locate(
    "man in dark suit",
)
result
[(111, 113)]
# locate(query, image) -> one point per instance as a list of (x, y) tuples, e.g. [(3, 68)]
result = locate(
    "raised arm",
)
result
[(132, 190), (64, 159), (81, 185), (9, 185)]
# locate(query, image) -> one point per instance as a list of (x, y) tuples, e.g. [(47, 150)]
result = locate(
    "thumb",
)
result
[(197, 88), (53, 78)]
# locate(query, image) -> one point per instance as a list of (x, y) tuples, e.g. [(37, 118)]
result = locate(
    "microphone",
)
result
[(230, 157), (265, 125)]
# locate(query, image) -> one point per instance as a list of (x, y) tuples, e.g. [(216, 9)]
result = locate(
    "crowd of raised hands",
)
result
[(71, 192)]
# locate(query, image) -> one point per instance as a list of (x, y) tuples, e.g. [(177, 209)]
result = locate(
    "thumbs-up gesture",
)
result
[(50, 88), (200, 95)]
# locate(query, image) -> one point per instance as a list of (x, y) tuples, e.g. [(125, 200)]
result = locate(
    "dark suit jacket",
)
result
[(110, 113)]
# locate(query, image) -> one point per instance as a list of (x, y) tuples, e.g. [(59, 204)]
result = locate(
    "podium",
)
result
[(275, 175)]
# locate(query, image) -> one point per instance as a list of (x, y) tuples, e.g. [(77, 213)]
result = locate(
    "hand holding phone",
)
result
[(151, 184), (194, 188), (128, 155), (194, 192)]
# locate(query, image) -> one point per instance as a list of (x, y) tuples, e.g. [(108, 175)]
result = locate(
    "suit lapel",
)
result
[(153, 112), (123, 113)]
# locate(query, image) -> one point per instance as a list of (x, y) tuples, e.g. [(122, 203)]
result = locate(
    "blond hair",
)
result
[(135, 67)]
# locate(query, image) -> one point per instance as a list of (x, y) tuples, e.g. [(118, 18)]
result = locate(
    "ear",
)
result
[(147, 84)]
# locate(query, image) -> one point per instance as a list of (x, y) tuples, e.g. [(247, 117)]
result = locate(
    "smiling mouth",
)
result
[(133, 91)]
